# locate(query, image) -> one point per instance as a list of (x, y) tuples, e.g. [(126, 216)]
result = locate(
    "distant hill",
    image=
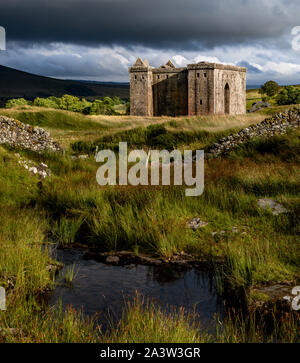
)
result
[(104, 83), (15, 83)]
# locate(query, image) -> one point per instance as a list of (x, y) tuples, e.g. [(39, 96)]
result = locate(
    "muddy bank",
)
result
[(124, 258)]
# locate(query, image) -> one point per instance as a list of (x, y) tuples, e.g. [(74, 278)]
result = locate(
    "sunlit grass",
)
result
[(71, 207)]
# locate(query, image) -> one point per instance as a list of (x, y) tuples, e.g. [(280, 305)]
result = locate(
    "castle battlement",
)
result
[(198, 89)]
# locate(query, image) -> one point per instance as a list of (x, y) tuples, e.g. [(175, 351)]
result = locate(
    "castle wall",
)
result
[(170, 92), (200, 91), (236, 81), (141, 91)]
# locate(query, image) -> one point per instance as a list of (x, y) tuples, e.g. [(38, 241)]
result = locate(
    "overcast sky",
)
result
[(99, 39)]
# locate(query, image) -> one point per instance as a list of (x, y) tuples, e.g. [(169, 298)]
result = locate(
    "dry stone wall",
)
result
[(276, 125), (19, 135)]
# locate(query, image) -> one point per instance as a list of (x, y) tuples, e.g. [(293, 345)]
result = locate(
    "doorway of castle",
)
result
[(227, 99)]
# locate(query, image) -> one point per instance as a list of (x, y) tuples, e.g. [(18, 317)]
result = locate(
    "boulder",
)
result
[(196, 223), (259, 105), (112, 260)]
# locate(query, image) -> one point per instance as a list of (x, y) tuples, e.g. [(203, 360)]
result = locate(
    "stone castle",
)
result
[(198, 89)]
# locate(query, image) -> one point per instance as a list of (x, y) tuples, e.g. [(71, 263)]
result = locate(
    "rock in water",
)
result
[(112, 259)]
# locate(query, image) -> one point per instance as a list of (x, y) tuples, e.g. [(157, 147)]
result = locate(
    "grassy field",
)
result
[(71, 207), (253, 95)]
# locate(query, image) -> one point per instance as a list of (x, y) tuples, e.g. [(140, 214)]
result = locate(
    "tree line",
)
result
[(287, 95), (104, 106)]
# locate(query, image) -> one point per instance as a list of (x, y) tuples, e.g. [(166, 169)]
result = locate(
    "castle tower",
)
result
[(200, 89), (141, 89), (216, 89)]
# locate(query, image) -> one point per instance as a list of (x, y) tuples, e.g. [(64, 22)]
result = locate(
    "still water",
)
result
[(104, 289)]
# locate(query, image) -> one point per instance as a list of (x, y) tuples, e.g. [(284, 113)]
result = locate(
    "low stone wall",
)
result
[(276, 125), (19, 135)]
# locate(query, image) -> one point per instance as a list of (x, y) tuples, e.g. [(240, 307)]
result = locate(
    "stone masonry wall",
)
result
[(276, 125), (198, 89), (141, 91), (237, 91), (19, 135), (170, 92)]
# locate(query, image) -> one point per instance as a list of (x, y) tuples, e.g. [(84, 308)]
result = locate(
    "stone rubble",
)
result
[(256, 106), (196, 223), (40, 169), (19, 135), (278, 124), (272, 205)]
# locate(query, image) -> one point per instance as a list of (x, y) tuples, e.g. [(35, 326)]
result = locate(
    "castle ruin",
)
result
[(198, 89)]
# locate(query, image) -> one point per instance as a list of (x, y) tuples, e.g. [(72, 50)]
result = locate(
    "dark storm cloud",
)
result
[(250, 67), (156, 23)]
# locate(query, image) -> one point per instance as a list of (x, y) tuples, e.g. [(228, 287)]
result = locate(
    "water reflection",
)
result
[(103, 289)]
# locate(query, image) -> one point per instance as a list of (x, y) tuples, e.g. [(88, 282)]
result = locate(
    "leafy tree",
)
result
[(288, 96), (17, 102), (67, 102), (108, 101), (127, 108), (45, 102), (270, 88), (117, 100)]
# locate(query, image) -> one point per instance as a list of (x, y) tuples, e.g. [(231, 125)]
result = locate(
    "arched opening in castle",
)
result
[(198, 89)]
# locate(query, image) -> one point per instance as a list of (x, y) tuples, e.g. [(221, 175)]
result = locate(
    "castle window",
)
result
[(198, 75), (167, 76), (135, 76), (200, 102), (205, 75), (158, 76), (143, 77)]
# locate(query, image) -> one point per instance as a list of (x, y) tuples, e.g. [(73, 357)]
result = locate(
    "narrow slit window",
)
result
[(200, 102), (135, 76), (198, 75), (205, 75)]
